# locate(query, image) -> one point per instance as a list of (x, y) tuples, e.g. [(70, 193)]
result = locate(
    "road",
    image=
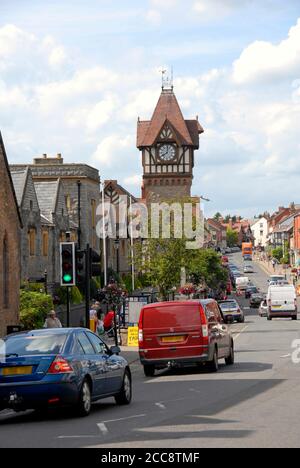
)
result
[(252, 404)]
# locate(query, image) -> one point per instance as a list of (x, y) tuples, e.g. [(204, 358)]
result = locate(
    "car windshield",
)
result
[(228, 305), (35, 345)]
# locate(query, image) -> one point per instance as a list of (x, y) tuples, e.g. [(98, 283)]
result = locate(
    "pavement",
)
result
[(251, 404)]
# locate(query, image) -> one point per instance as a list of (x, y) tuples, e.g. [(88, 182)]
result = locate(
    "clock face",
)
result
[(167, 152)]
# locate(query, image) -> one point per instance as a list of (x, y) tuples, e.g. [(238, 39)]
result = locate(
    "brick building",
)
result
[(10, 225)]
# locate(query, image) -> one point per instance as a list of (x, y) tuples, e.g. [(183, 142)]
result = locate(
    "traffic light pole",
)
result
[(87, 286), (68, 306)]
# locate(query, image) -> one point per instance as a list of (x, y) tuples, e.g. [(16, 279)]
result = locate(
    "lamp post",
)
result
[(117, 249)]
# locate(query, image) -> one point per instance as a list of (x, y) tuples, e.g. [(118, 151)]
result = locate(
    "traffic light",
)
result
[(80, 267), (95, 264), (67, 262)]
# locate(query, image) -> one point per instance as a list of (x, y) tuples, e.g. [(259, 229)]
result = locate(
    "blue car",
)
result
[(61, 367)]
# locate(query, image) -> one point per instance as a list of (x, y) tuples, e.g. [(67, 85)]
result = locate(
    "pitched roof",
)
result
[(3, 155), (19, 181), (168, 110), (47, 197)]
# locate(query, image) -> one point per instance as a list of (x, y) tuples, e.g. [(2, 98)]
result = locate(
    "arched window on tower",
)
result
[(5, 286)]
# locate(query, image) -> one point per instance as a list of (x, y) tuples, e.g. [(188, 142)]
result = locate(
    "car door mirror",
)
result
[(114, 350)]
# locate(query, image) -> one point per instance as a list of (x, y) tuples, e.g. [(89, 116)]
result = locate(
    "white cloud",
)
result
[(133, 181), (112, 150), (154, 17), (264, 60), (216, 8)]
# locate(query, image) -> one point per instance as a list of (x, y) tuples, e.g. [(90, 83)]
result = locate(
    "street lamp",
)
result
[(117, 248)]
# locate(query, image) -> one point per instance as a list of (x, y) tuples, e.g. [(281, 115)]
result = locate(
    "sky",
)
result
[(76, 75)]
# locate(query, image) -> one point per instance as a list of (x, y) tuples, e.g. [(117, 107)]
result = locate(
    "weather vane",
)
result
[(167, 81)]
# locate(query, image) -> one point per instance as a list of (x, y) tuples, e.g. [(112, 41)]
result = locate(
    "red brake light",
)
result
[(204, 324), (60, 366)]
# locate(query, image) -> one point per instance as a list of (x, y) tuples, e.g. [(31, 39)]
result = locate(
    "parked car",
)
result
[(255, 300), (181, 333), (282, 302), (61, 367), (230, 308), (247, 258), (251, 290), (263, 310), (248, 269), (275, 279), (242, 283)]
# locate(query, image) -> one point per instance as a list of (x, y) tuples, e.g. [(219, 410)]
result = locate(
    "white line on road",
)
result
[(242, 331), (285, 356), (160, 405), (103, 428), (125, 419)]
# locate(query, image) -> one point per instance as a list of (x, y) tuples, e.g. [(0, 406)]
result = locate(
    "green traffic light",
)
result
[(67, 278)]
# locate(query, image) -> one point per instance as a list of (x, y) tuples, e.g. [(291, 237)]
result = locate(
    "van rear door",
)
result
[(172, 331), (283, 299)]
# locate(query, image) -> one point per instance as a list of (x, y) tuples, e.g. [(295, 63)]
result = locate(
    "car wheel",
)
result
[(213, 365), (230, 360), (85, 400), (295, 317), (149, 371), (270, 319), (242, 320), (125, 395)]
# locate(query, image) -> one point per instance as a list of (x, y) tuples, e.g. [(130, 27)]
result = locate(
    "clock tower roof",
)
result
[(168, 110)]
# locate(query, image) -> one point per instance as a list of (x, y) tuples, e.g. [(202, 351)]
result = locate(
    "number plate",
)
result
[(173, 339), (10, 371)]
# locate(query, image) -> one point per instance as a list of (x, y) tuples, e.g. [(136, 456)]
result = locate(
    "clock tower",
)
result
[(167, 143)]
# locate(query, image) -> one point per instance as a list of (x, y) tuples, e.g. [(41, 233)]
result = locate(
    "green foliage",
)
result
[(232, 238), (75, 295), (278, 253), (34, 308), (217, 216), (205, 266), (33, 287)]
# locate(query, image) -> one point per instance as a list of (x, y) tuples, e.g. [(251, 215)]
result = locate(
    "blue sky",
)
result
[(75, 75)]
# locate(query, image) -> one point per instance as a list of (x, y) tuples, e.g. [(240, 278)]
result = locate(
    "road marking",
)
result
[(8, 413), (239, 334), (160, 405), (103, 428), (79, 437), (286, 356), (124, 419)]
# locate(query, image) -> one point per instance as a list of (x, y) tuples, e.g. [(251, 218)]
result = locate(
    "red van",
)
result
[(181, 333)]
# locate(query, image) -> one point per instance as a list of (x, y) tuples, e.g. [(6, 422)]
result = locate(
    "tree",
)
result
[(34, 307), (232, 238), (205, 266), (218, 216)]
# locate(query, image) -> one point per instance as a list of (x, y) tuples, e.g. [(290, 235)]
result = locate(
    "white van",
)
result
[(242, 283), (282, 301)]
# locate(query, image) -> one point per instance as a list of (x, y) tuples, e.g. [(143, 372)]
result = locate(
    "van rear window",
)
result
[(172, 316)]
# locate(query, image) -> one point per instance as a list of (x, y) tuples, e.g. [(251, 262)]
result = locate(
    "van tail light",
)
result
[(204, 325), (60, 366), (141, 338)]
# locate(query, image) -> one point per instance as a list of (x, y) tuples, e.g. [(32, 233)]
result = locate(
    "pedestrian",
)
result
[(52, 321)]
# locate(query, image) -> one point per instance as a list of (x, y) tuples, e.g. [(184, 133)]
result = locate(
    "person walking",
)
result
[(52, 321)]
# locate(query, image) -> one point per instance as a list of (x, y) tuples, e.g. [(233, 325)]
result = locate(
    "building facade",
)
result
[(10, 226), (167, 144), (81, 187), (260, 230)]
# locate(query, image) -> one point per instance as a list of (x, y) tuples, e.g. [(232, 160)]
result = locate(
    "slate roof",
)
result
[(47, 196), (168, 111), (19, 181)]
